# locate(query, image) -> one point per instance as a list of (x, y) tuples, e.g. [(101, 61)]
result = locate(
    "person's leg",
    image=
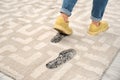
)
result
[(62, 23), (96, 16), (98, 10), (67, 7)]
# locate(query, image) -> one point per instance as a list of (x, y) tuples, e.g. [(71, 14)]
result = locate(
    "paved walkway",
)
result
[(26, 30)]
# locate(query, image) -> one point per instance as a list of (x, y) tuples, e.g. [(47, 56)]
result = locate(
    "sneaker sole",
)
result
[(61, 31), (96, 33)]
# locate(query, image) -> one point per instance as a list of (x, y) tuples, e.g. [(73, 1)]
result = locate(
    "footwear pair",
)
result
[(63, 27)]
